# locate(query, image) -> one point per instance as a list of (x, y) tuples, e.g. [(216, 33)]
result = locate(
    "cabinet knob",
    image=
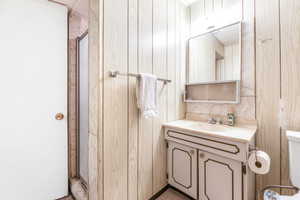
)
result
[(59, 116), (201, 155), (192, 152)]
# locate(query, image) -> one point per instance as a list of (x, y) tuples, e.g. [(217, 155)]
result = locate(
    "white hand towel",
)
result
[(147, 95)]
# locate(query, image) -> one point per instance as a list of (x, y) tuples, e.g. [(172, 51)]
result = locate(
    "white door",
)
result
[(33, 89), (182, 168), (219, 177)]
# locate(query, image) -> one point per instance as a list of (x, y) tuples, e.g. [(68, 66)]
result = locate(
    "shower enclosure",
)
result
[(83, 107)]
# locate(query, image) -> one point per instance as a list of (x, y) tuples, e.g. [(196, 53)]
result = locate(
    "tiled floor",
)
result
[(171, 194)]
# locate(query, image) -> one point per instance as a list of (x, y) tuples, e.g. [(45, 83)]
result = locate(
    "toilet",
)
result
[(294, 162)]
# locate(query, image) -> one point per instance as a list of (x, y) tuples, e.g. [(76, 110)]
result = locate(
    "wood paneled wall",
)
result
[(135, 36), (268, 87), (278, 83), (290, 73), (145, 36)]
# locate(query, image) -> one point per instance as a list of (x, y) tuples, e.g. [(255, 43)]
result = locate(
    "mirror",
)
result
[(215, 56)]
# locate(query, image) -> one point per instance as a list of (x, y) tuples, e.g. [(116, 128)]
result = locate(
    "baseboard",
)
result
[(65, 198), (160, 192), (170, 186), (165, 189)]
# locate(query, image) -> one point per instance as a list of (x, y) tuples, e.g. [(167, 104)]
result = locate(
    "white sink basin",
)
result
[(242, 133), (210, 127)]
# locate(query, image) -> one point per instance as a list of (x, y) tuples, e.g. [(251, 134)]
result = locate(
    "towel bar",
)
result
[(114, 74)]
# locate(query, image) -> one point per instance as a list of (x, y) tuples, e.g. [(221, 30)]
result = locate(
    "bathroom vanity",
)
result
[(209, 162)]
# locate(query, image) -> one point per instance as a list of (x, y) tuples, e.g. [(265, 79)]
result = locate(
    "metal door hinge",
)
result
[(244, 169), (167, 145), (167, 175)]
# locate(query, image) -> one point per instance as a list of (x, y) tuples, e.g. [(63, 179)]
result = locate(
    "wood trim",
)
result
[(77, 107), (62, 4), (233, 145), (159, 193), (186, 195), (68, 100), (96, 21), (64, 198)]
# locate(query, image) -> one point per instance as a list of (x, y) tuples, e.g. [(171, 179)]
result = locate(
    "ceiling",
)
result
[(79, 6)]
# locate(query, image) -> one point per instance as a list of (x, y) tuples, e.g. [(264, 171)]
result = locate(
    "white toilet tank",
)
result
[(294, 156)]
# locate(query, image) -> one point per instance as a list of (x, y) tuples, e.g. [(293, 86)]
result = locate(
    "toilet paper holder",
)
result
[(255, 149)]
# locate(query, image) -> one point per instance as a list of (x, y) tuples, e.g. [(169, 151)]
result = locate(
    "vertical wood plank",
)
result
[(229, 3), (181, 35), (178, 57), (95, 100), (145, 64), (160, 69), (268, 84), (115, 110), (218, 5), (185, 34), (248, 50), (197, 14), (133, 132), (290, 86), (209, 7), (171, 60)]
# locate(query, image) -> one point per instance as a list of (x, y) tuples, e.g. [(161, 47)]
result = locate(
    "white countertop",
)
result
[(240, 133)]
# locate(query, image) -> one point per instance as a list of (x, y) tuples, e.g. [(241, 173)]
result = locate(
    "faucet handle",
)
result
[(212, 121), (230, 119)]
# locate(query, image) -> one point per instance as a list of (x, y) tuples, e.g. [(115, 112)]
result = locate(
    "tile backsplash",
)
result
[(245, 110)]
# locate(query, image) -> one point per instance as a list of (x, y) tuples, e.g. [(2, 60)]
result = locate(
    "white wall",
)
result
[(206, 13)]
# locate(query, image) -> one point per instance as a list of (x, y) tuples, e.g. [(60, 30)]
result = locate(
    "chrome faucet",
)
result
[(230, 119), (212, 121)]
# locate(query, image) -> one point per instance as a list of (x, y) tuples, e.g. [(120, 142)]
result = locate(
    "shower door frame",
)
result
[(78, 39)]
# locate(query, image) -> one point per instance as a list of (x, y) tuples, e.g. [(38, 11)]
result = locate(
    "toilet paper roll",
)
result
[(259, 162)]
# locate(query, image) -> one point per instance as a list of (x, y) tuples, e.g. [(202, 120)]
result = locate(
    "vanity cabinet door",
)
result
[(182, 168), (219, 177)]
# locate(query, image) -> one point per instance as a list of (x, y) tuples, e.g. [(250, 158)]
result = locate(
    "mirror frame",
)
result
[(212, 29)]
